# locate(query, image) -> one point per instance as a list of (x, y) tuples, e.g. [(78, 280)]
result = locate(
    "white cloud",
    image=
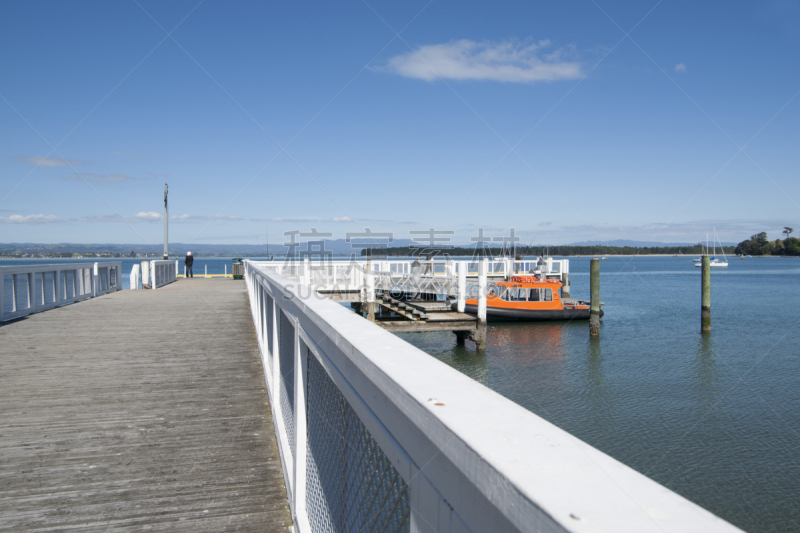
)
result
[(147, 216), (31, 219), (158, 174), (680, 67), (199, 218), (92, 177), (137, 218), (39, 161), (508, 61), (342, 219)]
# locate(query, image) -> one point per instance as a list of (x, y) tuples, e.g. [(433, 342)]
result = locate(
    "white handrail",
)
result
[(28, 289), (163, 272), (374, 434)]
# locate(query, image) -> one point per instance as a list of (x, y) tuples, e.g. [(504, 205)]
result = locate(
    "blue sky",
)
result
[(540, 116)]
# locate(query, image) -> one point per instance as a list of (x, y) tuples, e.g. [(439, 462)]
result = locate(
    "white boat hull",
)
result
[(712, 264)]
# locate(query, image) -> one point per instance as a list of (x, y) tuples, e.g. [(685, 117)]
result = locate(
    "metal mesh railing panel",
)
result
[(351, 484), (269, 331), (286, 354), (21, 290), (49, 287), (8, 294), (112, 276), (38, 288), (84, 283), (103, 279), (69, 284), (262, 326)]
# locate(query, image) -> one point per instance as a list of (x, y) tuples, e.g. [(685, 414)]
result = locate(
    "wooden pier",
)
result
[(139, 409)]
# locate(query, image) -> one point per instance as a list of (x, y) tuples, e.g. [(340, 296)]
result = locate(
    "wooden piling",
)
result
[(705, 305), (594, 309), (565, 285)]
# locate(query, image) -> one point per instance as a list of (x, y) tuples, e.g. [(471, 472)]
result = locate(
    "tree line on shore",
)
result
[(535, 251), (759, 244)]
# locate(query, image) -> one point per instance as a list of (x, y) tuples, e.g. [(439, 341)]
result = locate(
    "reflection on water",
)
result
[(714, 417), (705, 368)]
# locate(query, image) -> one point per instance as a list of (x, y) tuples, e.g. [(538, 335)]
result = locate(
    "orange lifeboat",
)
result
[(524, 298)]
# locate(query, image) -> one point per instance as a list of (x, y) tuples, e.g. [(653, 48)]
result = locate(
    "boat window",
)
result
[(518, 295), (534, 295), (548, 295), (496, 290)]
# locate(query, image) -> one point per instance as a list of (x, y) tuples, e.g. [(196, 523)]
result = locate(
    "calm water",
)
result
[(715, 418)]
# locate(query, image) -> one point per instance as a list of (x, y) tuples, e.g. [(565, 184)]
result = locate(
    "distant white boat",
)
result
[(714, 260)]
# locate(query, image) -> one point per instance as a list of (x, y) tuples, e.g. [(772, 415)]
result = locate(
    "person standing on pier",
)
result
[(188, 262)]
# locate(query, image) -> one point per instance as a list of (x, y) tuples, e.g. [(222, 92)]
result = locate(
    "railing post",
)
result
[(14, 296), (370, 276), (265, 328), (2, 296), (134, 281), (482, 279), (300, 432), (95, 279), (153, 274), (480, 332), (462, 286), (31, 291), (145, 274)]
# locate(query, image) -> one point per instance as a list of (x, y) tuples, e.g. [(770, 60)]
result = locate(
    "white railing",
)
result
[(162, 273), (414, 276), (376, 435), (27, 289)]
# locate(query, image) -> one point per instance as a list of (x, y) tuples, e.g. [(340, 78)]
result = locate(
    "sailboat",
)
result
[(714, 260)]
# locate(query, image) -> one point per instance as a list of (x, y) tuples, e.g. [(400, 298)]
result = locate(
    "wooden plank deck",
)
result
[(140, 409)]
